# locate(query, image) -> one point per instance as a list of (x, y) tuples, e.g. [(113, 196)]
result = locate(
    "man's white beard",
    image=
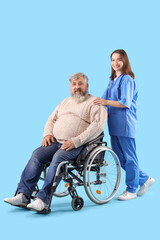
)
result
[(79, 98)]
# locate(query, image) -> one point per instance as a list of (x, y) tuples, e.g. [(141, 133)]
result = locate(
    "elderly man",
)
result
[(75, 121)]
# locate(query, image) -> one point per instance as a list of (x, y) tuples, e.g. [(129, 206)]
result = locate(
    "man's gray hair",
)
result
[(78, 75)]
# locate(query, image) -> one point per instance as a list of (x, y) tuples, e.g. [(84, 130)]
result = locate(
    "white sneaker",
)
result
[(127, 196), (143, 189), (19, 200), (37, 205)]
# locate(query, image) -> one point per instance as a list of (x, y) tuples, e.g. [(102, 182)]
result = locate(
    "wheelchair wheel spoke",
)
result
[(106, 175)]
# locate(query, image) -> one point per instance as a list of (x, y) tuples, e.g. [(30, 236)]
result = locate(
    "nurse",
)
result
[(120, 98)]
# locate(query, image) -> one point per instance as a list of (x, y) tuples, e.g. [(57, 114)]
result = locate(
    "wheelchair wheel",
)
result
[(102, 174), (62, 189), (77, 203)]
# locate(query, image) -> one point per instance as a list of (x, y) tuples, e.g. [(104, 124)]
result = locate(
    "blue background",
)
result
[(42, 43)]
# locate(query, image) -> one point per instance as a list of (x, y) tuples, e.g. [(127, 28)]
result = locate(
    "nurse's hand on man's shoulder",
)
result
[(47, 140), (99, 101)]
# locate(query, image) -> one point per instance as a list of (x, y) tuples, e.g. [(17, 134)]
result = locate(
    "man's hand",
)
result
[(68, 145), (47, 140)]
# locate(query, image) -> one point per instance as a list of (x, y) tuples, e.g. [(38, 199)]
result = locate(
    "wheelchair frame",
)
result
[(88, 164)]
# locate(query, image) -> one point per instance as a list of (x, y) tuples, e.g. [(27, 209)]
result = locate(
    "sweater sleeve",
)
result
[(96, 127), (48, 129)]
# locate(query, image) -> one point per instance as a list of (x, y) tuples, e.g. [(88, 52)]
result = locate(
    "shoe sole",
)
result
[(23, 205), (126, 199), (44, 211)]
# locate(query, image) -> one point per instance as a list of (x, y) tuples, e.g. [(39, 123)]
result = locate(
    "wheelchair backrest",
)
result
[(88, 147)]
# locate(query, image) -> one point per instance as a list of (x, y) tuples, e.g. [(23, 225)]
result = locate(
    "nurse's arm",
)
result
[(115, 104), (103, 102)]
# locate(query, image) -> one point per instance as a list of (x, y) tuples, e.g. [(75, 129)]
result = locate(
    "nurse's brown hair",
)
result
[(126, 65)]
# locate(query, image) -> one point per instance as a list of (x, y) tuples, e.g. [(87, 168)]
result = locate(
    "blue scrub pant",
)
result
[(125, 148), (35, 166)]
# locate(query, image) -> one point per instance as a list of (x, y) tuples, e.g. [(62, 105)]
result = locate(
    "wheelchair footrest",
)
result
[(45, 211)]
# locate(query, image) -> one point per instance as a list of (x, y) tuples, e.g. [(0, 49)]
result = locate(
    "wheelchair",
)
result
[(97, 168)]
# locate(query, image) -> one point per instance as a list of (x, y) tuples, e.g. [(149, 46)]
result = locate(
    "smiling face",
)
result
[(78, 87), (116, 62)]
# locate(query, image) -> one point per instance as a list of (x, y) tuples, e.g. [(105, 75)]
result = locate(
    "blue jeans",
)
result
[(35, 166), (125, 148)]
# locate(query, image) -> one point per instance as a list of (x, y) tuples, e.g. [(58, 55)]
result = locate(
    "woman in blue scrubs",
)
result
[(120, 98)]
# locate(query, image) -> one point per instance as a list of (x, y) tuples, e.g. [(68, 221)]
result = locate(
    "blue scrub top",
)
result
[(122, 121)]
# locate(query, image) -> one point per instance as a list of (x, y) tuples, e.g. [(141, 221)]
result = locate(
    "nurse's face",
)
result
[(116, 62)]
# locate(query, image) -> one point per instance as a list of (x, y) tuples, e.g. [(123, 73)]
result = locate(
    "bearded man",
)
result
[(75, 121)]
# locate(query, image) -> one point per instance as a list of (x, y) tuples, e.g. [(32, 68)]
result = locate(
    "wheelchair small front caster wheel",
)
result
[(77, 203)]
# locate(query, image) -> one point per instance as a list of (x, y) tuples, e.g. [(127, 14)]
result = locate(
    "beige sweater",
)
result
[(80, 122)]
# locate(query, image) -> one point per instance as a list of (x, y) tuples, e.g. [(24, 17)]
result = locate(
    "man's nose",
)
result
[(77, 86)]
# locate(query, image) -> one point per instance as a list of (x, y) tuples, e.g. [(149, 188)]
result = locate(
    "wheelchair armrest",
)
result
[(88, 147), (95, 140)]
